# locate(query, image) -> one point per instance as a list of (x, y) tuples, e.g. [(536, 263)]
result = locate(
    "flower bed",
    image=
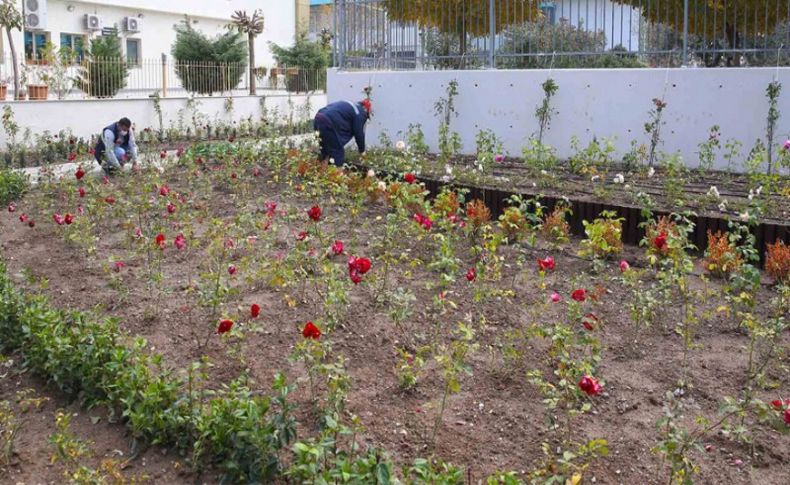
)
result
[(424, 326)]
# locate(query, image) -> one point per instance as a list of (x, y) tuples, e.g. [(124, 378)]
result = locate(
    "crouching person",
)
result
[(116, 146)]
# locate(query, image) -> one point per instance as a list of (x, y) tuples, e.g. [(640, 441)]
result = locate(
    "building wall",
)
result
[(159, 17), (53, 115), (590, 103)]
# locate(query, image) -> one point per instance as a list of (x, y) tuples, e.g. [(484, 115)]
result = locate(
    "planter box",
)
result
[(37, 92), (3, 92)]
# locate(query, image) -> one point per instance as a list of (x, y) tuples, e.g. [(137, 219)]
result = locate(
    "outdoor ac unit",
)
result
[(35, 14), (92, 22), (132, 24)]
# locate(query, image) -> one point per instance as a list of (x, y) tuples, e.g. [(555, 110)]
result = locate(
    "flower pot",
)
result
[(37, 92), (3, 91)]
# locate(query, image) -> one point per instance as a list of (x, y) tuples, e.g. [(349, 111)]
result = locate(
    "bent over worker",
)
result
[(337, 124), (116, 145)]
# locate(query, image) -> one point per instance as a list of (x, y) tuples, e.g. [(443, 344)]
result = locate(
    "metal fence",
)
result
[(119, 78), (468, 34)]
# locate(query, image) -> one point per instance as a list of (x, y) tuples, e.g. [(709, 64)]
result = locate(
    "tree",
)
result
[(463, 17), (252, 26), (712, 19), (104, 71), (10, 19), (312, 59), (205, 65)]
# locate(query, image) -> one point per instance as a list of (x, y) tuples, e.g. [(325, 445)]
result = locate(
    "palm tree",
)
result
[(11, 18), (252, 26)]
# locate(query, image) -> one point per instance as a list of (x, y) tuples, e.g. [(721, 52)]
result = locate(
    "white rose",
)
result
[(714, 192), (619, 178), (371, 173), (651, 172), (400, 146), (382, 186)]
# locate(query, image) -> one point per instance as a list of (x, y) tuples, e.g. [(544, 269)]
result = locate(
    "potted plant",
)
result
[(35, 75), (4, 87)]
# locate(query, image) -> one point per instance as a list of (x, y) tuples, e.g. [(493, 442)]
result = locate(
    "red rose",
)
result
[(68, 219), (164, 190), (79, 173), (110, 200), (624, 266), (579, 295), (409, 178), (232, 270), (255, 310), (163, 154), (777, 404), (360, 265), (180, 242), (81, 192), (118, 266), (546, 264), (471, 274), (170, 208), (660, 241), (355, 277), (160, 241), (590, 321), (787, 416), (271, 208), (59, 220), (12, 207), (72, 157), (23, 218), (311, 331), (590, 386), (224, 326), (301, 236), (314, 213), (337, 248)]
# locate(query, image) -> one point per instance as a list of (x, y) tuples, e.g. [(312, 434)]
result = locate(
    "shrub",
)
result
[(12, 185), (310, 60), (777, 263), (513, 224), (604, 236), (478, 214), (722, 258), (104, 70), (555, 228), (205, 65)]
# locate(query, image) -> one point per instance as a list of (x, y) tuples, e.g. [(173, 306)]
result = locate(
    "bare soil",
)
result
[(496, 422)]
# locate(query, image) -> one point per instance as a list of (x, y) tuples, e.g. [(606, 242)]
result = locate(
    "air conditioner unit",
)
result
[(132, 24), (35, 14), (92, 22)]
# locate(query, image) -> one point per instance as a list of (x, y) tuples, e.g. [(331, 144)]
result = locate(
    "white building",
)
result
[(145, 26)]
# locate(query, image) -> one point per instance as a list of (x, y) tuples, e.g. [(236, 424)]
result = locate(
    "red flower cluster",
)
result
[(311, 331), (68, 219), (357, 267), (410, 178), (780, 405), (59, 220), (271, 207), (81, 192), (546, 264), (171, 208), (12, 207), (79, 173), (255, 310), (471, 274), (224, 326), (118, 266), (314, 213), (301, 236), (424, 221), (579, 295), (590, 386), (660, 241), (180, 242), (110, 200), (161, 241), (164, 190), (338, 248)]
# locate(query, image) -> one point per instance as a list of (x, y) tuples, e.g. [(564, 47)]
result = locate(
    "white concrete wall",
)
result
[(87, 117), (159, 17), (590, 103)]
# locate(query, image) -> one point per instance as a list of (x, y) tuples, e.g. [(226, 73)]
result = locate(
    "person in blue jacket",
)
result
[(337, 124), (116, 145)]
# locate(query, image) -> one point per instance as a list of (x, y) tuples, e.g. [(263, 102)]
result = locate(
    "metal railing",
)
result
[(468, 34), (119, 78)]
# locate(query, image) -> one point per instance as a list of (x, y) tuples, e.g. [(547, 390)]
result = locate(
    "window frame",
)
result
[(139, 61)]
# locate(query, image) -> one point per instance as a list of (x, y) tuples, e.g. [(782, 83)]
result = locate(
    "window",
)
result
[(133, 52), (34, 44), (74, 42), (548, 10)]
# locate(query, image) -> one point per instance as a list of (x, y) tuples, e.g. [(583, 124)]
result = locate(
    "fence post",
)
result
[(492, 27), (685, 33), (341, 58), (164, 75)]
